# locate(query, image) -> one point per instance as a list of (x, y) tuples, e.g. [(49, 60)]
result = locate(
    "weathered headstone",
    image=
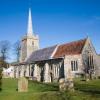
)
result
[(67, 85), (70, 83), (22, 84), (62, 84)]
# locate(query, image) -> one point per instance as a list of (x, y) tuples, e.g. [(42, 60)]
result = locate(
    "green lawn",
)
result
[(39, 91)]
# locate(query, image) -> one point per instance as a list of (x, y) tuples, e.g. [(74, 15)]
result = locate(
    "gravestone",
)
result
[(62, 84), (22, 84), (67, 85), (70, 83)]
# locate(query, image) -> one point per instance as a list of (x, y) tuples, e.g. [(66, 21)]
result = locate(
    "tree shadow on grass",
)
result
[(90, 91)]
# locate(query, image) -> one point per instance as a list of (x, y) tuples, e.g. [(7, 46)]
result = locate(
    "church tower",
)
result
[(30, 42)]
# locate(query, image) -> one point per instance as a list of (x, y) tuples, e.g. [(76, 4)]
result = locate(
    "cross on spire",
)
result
[(30, 27)]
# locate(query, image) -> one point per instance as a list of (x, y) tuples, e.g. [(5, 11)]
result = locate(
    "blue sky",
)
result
[(55, 21)]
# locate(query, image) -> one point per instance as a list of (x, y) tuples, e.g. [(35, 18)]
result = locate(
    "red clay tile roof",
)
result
[(70, 48)]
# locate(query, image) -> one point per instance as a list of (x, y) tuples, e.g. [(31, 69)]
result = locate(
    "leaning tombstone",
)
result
[(22, 84)]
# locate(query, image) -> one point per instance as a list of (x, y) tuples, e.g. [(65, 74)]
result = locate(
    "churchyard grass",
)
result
[(40, 91)]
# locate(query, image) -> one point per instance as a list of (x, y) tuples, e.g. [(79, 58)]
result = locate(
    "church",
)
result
[(50, 64)]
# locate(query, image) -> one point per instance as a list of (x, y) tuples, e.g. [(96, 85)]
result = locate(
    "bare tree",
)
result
[(2, 64), (4, 49), (17, 47)]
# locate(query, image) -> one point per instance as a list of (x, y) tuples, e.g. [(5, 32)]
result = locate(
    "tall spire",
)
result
[(29, 29)]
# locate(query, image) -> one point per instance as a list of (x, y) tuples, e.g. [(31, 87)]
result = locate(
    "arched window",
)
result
[(74, 65), (90, 61)]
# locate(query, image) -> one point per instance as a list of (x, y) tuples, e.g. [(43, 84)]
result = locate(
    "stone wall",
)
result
[(98, 65), (50, 70), (87, 51), (45, 71), (67, 65)]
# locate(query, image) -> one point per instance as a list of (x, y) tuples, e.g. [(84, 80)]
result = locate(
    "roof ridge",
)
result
[(73, 41), (47, 47)]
